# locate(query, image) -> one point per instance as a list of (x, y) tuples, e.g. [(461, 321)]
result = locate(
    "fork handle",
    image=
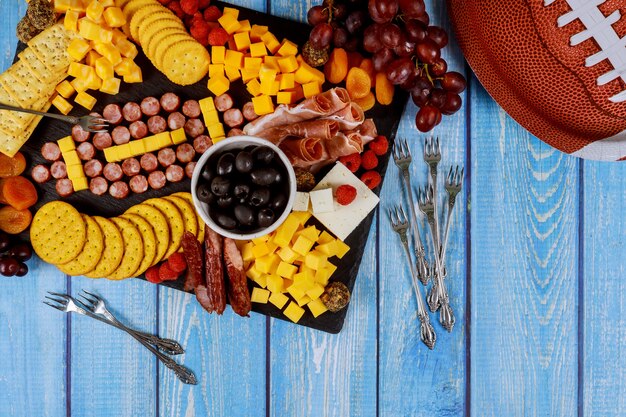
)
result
[(68, 119)]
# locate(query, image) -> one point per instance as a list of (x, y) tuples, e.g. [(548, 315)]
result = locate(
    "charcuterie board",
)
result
[(156, 84)]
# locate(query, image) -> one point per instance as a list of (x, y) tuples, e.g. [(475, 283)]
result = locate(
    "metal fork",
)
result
[(400, 224), (432, 156), (67, 304), (88, 123), (402, 158), (96, 305), (425, 199)]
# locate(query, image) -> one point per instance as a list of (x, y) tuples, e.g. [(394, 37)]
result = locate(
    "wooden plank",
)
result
[(604, 268), (109, 369), (524, 269)]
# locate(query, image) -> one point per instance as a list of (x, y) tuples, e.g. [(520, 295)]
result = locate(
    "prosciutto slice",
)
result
[(317, 128), (304, 152), (350, 117), (320, 105)]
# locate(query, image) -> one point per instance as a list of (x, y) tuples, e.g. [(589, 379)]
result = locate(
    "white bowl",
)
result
[(240, 142)]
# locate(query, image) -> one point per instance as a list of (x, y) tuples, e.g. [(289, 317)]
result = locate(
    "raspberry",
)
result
[(203, 4), (345, 194), (212, 13), (371, 179), (166, 273), (352, 162), (152, 275), (190, 7), (380, 145), (369, 160), (218, 37), (174, 6), (200, 32), (197, 17), (165, 2), (177, 262)]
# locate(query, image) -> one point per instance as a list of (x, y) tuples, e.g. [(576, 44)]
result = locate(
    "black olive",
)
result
[(245, 215), (264, 176), (243, 162), (204, 193), (249, 148), (220, 186), (226, 221), (260, 197), (226, 164), (278, 202), (241, 191), (266, 217), (263, 154), (225, 202), (207, 173)]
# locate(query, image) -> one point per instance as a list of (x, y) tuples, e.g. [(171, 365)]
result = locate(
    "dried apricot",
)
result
[(10, 167), (336, 68), (384, 89), (368, 66), (14, 221), (366, 102), (18, 192), (358, 83)]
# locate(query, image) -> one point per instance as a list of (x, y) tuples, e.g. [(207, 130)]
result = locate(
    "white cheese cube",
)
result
[(322, 200), (301, 203)]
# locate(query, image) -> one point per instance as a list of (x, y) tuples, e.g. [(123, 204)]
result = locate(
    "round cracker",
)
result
[(149, 241), (157, 38), (160, 225), (189, 198), (141, 15), (188, 212), (58, 233), (174, 220), (113, 249), (133, 250), (91, 253), (186, 62), (166, 44), (153, 24), (130, 8)]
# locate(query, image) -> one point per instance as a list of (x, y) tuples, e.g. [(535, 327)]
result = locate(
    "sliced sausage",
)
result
[(113, 113), (166, 157), (234, 132), (50, 151), (80, 135), (202, 143), (233, 117), (176, 120), (150, 106), (185, 153), (131, 112), (86, 151), (174, 173), (157, 180), (194, 127), (223, 102), (170, 102), (157, 124), (93, 168), (149, 162), (248, 111), (102, 140), (214, 270), (113, 172), (138, 129), (138, 184), (189, 168), (120, 135), (40, 174), (96, 114), (119, 190), (192, 249), (191, 108), (58, 170), (131, 167), (64, 187), (98, 185), (238, 293)]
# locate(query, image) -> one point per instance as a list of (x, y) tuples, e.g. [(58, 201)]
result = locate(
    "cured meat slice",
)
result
[(238, 293), (350, 117), (321, 129), (303, 152), (216, 287)]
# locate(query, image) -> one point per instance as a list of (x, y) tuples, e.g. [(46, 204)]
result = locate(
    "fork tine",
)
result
[(405, 146), (58, 294), (460, 178), (92, 294), (56, 300), (438, 146), (403, 214), (451, 175), (100, 120), (53, 306), (97, 131)]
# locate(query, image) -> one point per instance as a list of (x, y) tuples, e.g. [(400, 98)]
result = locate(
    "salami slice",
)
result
[(191, 108), (170, 102), (157, 124), (58, 170), (176, 120), (157, 180), (233, 117), (98, 186), (131, 167), (194, 127), (113, 113), (150, 106), (102, 140), (235, 132), (86, 151), (216, 287), (64, 187), (189, 168), (50, 151), (174, 173), (202, 143), (40, 174), (138, 129), (120, 135), (149, 162), (185, 153), (238, 293), (113, 172), (248, 111), (93, 168), (80, 135), (138, 184), (166, 157), (223, 102), (131, 112), (119, 190)]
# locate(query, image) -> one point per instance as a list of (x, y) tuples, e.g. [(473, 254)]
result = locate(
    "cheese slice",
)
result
[(301, 202), (322, 200)]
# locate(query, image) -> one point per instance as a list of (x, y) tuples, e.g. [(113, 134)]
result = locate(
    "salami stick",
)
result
[(192, 249), (238, 293), (216, 291)]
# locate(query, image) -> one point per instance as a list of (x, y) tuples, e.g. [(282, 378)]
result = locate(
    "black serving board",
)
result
[(155, 84)]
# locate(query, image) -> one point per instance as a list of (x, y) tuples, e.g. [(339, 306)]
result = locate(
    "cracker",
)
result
[(165, 44), (140, 16), (186, 62), (20, 72), (188, 197), (11, 143), (149, 241), (113, 249), (188, 211), (151, 48), (25, 94), (174, 221), (161, 227), (91, 253), (131, 7), (155, 23), (50, 46), (58, 233), (37, 68), (133, 250)]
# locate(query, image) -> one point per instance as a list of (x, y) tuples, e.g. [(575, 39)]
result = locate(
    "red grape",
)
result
[(437, 98), (390, 35), (321, 35), (355, 21), (438, 35), (420, 97), (352, 45), (405, 48), (425, 19), (382, 11), (412, 8), (427, 118), (340, 37), (22, 252), (438, 68), (340, 11), (317, 14), (381, 58), (454, 82), (452, 103), (409, 84), (416, 31), (399, 70), (371, 41), (427, 51)]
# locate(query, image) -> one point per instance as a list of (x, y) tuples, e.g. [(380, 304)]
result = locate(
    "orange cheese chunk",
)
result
[(311, 89), (115, 17), (70, 21), (78, 49), (62, 104), (288, 64), (263, 105), (218, 85), (217, 54), (104, 68), (229, 22), (94, 10), (270, 42), (111, 86), (65, 89), (258, 49), (256, 32), (242, 41), (85, 100), (287, 48), (233, 58)]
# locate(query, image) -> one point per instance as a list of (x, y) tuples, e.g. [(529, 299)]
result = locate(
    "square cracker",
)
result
[(50, 46), (13, 123), (20, 72), (27, 94), (37, 68)]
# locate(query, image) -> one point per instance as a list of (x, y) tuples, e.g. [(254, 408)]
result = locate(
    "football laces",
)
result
[(600, 28)]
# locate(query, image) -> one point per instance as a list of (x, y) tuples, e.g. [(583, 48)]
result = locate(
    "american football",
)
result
[(558, 67)]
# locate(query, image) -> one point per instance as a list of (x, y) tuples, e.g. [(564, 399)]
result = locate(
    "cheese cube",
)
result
[(322, 275), (94, 10), (110, 154), (311, 89), (249, 75), (89, 29), (62, 104), (114, 16), (286, 284), (92, 57), (287, 81), (278, 299), (258, 49), (134, 75), (104, 68), (302, 246), (111, 86), (71, 158), (216, 130), (206, 105), (325, 237), (218, 84), (233, 58), (274, 283), (287, 255), (270, 42), (269, 87), (245, 26), (127, 48), (164, 139), (137, 147), (178, 136), (288, 64), (218, 139), (259, 295), (253, 273), (246, 252), (75, 171), (242, 41), (211, 117), (65, 89), (267, 73), (261, 239), (342, 248), (263, 105), (216, 69), (108, 3), (217, 54), (268, 264), (261, 249), (66, 144), (256, 31), (296, 291), (315, 260), (262, 280), (302, 216), (118, 35), (285, 97), (310, 233), (79, 184), (271, 62), (287, 48), (322, 201), (252, 64), (317, 307), (331, 269), (231, 11), (329, 249), (304, 300), (229, 22), (254, 87), (79, 70), (286, 270), (62, 6), (232, 73), (70, 22), (315, 292), (123, 151), (93, 82), (285, 231), (110, 52)]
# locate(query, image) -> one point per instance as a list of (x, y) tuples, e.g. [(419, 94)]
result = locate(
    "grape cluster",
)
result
[(403, 45), (12, 257)]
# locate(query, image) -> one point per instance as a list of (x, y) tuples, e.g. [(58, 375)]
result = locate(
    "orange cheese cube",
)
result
[(269, 87), (254, 87), (79, 70), (104, 68), (65, 89), (108, 3), (329, 249), (282, 236), (245, 26), (288, 64), (256, 32), (93, 82), (124, 67), (252, 64), (342, 248), (229, 22), (260, 250), (114, 16), (270, 42), (302, 216), (218, 139), (92, 57), (278, 299), (70, 21), (62, 6), (261, 280), (111, 86), (267, 73), (216, 69), (89, 29), (206, 105), (286, 270), (211, 117), (118, 35), (242, 41), (94, 10), (71, 158), (315, 292), (275, 283), (127, 48), (66, 144), (287, 48), (62, 104), (217, 54), (134, 75), (232, 73), (75, 171), (246, 252), (259, 295), (294, 312), (80, 184), (78, 49), (78, 84), (271, 62), (215, 131), (285, 97), (287, 81), (310, 232), (311, 89), (268, 263), (233, 58), (218, 85), (178, 136), (253, 273), (263, 105), (302, 246), (85, 100), (258, 49), (108, 51), (325, 237), (315, 260), (137, 147), (317, 307), (231, 11), (248, 75)]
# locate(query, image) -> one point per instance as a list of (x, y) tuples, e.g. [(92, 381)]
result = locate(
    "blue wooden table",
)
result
[(537, 260)]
